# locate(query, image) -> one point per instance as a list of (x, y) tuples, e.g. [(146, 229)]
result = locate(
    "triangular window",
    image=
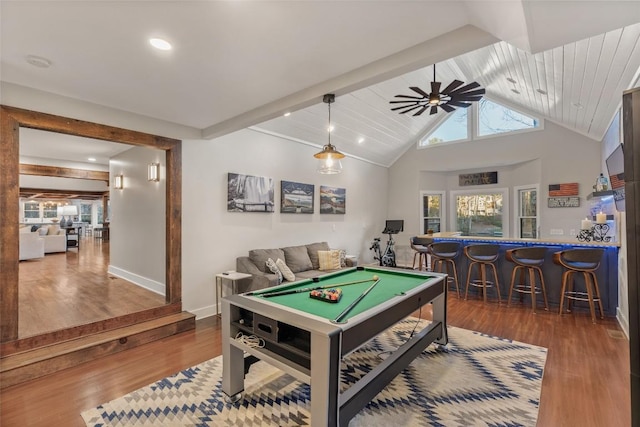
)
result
[(494, 119), (454, 128)]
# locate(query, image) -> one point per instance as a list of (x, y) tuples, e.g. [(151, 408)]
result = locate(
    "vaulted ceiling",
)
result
[(238, 64)]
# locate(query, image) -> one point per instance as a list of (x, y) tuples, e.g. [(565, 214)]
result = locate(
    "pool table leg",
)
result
[(232, 357), (325, 379), (440, 315)]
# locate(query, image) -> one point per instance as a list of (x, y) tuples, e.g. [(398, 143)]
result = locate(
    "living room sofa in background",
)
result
[(303, 261), (54, 238), (31, 245)]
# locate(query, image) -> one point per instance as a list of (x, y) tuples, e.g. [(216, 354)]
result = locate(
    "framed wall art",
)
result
[(247, 193), (332, 200), (296, 197)]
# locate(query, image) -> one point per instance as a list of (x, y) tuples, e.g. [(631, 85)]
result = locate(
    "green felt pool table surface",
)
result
[(391, 283)]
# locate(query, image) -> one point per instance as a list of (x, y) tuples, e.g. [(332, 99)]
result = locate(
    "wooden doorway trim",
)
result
[(11, 119)]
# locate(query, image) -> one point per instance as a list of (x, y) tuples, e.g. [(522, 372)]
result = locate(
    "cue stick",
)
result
[(354, 303), (297, 291)]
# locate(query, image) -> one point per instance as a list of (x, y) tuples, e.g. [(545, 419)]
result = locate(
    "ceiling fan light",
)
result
[(434, 99)]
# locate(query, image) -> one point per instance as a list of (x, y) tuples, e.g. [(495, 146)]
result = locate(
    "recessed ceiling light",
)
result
[(92, 159), (331, 128), (360, 140), (577, 105), (516, 91), (287, 114), (540, 91), (160, 44), (38, 61), (510, 80)]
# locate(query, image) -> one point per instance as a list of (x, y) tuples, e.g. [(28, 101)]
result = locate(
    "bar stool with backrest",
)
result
[(584, 261), (482, 256), (443, 257), (527, 260), (419, 245)]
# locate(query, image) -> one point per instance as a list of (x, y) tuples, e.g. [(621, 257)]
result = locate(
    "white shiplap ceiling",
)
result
[(582, 84), (243, 63)]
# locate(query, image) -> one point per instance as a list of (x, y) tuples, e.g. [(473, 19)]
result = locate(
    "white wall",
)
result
[(213, 237), (137, 221), (553, 155)]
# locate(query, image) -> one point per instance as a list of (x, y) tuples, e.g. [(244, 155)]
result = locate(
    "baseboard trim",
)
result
[(623, 322), (143, 282), (203, 312)]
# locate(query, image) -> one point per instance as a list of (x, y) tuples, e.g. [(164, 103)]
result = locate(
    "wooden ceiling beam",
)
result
[(61, 172)]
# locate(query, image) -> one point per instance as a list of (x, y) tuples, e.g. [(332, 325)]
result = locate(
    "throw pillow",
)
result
[(259, 257), (286, 271), (343, 258), (313, 249), (274, 269), (329, 260), (42, 231), (53, 230), (34, 228), (297, 258)]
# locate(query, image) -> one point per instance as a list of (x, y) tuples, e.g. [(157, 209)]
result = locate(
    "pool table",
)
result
[(302, 337)]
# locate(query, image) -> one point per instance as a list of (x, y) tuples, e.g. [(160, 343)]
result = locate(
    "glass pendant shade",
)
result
[(329, 157), (330, 165)]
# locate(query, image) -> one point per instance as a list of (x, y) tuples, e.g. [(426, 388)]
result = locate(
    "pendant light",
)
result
[(329, 157)]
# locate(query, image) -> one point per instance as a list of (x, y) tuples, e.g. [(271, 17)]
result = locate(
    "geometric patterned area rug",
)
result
[(476, 380)]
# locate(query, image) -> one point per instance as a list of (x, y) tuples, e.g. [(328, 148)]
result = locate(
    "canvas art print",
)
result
[(296, 197), (332, 200), (248, 193)]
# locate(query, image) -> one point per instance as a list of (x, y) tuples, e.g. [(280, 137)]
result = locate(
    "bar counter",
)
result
[(607, 273)]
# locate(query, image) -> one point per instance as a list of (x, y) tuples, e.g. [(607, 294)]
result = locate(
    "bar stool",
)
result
[(443, 256), (527, 260), (482, 256), (584, 261), (419, 245)]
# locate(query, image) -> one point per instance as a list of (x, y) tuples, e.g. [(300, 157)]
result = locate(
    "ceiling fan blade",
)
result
[(407, 108), (454, 84), (447, 108), (434, 110), (457, 103), (408, 97), (408, 102), (422, 110), (466, 88), (435, 87), (420, 91), (470, 92)]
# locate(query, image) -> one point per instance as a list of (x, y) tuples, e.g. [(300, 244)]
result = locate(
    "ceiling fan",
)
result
[(452, 96)]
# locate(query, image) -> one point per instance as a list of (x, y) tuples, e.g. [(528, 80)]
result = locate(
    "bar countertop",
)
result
[(454, 235)]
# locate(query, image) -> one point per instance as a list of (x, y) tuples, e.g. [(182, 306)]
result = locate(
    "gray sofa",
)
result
[(302, 260)]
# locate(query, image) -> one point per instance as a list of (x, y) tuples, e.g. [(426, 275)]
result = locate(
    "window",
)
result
[(527, 212), (481, 120), (481, 213), (100, 218), (455, 127), (85, 212), (494, 119), (50, 210), (32, 210), (432, 212)]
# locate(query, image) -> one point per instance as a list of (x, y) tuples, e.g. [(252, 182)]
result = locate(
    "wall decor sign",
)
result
[(296, 197), (247, 193), (332, 200), (480, 178), (563, 202), (558, 190)]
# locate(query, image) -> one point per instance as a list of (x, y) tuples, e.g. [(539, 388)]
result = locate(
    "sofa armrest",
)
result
[(259, 280)]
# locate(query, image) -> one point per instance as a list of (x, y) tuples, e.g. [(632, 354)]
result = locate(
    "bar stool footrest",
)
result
[(579, 296), (526, 289)]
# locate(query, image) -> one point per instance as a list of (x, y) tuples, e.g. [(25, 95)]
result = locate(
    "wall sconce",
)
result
[(118, 182), (153, 172)]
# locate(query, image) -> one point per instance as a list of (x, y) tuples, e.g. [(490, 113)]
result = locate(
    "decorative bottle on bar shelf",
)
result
[(602, 183)]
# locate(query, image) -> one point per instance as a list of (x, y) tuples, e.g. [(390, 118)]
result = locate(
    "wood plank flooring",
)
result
[(586, 380), (73, 288)]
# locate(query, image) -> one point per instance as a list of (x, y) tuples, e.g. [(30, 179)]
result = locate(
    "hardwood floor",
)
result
[(586, 379), (73, 288)]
